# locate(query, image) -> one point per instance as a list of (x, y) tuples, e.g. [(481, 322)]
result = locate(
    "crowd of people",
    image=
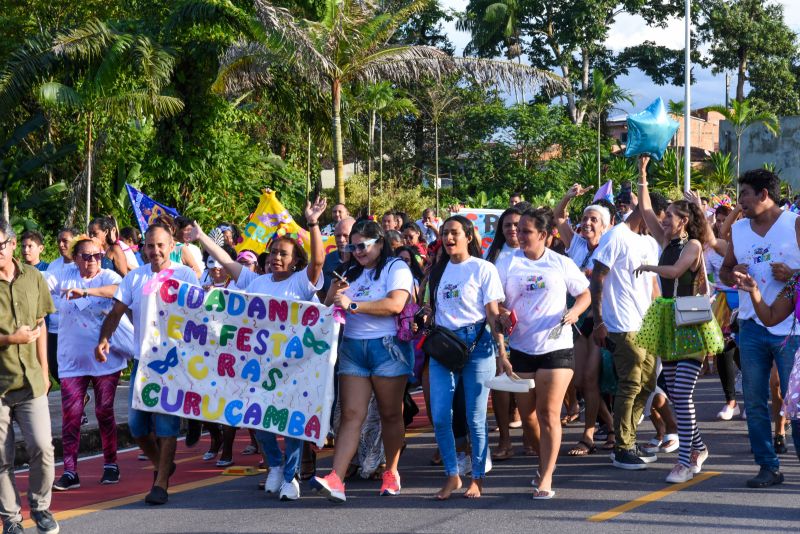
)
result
[(593, 310)]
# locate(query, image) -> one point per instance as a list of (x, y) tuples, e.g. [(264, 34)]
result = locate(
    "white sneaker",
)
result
[(680, 473), (488, 463), (671, 443), (727, 413), (290, 491), (274, 480), (697, 460), (464, 464)]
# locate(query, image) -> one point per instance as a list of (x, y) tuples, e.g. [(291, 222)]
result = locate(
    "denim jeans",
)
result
[(294, 450), (443, 382), (758, 349)]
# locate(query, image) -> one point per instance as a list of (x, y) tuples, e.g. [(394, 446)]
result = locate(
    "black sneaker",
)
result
[(627, 459), (765, 478), (110, 474), (646, 457), (12, 527), (45, 522), (780, 444), (68, 481)]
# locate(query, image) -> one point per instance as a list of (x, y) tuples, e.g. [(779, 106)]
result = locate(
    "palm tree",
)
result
[(742, 116), (351, 45), (112, 56), (678, 110), (605, 97)]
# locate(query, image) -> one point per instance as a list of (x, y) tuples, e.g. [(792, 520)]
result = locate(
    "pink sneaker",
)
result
[(330, 486), (391, 484)]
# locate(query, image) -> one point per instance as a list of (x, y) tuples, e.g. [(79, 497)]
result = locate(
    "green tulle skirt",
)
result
[(660, 336)]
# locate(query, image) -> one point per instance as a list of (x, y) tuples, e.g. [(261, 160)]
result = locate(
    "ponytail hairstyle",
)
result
[(107, 225), (473, 248), (499, 237), (696, 226), (368, 230)]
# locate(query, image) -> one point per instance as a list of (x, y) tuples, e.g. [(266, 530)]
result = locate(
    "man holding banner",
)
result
[(131, 296)]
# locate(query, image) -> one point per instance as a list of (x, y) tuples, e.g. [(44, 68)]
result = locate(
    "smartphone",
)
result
[(419, 319), (513, 319)]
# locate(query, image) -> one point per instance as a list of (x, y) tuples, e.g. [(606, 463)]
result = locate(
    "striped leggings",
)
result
[(681, 378)]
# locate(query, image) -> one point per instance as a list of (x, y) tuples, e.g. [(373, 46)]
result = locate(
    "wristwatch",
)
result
[(353, 307)]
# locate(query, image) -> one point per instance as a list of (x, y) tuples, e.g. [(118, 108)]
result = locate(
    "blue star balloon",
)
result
[(650, 131)]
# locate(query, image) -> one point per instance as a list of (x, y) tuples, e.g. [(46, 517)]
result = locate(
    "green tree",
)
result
[(604, 98), (749, 37), (742, 116)]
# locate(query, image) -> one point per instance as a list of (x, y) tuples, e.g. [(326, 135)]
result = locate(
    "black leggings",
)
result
[(52, 355), (727, 365)]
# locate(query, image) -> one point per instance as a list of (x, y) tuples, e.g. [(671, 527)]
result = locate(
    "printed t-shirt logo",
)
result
[(534, 282), (451, 291), (761, 255), (362, 293)]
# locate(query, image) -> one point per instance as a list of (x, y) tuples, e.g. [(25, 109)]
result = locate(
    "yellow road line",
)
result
[(651, 497), (130, 499)]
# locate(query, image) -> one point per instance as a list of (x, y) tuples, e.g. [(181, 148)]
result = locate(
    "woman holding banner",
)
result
[(596, 220), (292, 275), (373, 290)]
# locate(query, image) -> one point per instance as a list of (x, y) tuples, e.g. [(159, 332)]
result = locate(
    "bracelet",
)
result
[(642, 184), (598, 326), (313, 224)]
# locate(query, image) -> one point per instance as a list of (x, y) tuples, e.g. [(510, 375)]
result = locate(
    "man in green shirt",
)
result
[(24, 382)]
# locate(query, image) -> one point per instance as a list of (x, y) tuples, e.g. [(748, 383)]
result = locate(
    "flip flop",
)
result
[(609, 445), (570, 418), (582, 449), (543, 495)]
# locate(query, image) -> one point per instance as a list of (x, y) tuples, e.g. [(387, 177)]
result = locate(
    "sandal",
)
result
[(610, 443), (250, 449), (530, 451), (570, 418), (501, 455), (583, 448), (670, 443), (543, 495)]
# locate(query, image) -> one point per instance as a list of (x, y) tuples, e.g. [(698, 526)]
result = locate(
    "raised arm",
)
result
[(646, 208), (312, 214), (234, 269), (560, 213)]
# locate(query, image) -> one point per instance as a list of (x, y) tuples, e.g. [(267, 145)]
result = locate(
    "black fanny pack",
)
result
[(444, 346)]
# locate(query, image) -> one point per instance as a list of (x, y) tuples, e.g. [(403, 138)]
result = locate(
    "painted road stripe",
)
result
[(180, 488), (651, 497)]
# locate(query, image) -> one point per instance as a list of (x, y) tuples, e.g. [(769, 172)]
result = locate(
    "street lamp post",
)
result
[(687, 119)]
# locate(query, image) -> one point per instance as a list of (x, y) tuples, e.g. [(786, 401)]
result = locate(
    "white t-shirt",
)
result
[(196, 252), (537, 291), (394, 275), (464, 291), (54, 269), (579, 252), (428, 235), (130, 256), (506, 250), (626, 296), (296, 287), (130, 290), (246, 277), (81, 320), (713, 265)]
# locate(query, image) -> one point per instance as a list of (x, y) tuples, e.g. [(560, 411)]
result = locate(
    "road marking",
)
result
[(651, 497), (130, 499)]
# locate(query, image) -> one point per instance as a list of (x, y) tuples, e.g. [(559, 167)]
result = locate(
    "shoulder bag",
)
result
[(694, 310)]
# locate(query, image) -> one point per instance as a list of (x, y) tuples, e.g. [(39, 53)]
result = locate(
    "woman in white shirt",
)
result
[(293, 275), (581, 246), (466, 293), (372, 359), (84, 297), (536, 282)]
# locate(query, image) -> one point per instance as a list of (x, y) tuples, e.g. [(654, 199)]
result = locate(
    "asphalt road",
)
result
[(585, 488)]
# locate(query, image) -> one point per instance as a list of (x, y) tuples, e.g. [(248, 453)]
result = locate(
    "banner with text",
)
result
[(485, 221), (270, 217), (242, 360)]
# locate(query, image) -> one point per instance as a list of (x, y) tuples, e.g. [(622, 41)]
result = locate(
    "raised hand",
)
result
[(314, 211), (195, 232), (692, 198), (577, 190)]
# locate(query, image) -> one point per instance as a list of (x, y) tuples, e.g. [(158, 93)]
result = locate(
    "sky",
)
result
[(628, 30)]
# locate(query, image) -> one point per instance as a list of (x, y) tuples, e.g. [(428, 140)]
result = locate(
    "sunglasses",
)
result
[(89, 257), (4, 244), (361, 247)]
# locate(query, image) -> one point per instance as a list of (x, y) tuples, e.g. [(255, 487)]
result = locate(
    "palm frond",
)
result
[(113, 60), (506, 74), (382, 28), (87, 41), (243, 68), (215, 12), (58, 94), (401, 64), (21, 132), (141, 103), (155, 62), (24, 68)]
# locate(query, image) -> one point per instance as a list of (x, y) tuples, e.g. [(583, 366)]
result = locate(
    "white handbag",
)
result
[(690, 311)]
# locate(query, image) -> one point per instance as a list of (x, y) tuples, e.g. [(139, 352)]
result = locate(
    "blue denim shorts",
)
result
[(141, 423), (384, 356)]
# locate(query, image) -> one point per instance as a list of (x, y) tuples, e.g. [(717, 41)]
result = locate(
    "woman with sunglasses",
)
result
[(465, 293), (374, 289), (84, 293), (581, 246), (537, 281), (292, 275)]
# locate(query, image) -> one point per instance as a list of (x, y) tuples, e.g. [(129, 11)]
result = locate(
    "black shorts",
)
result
[(529, 363), (587, 327)]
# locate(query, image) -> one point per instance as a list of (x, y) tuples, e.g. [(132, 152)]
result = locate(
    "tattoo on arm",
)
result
[(599, 274)]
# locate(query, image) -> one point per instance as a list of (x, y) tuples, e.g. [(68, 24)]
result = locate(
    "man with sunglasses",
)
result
[(338, 257), (24, 383)]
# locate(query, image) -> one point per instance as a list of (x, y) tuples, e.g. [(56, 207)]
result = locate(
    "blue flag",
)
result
[(146, 209), (606, 191)]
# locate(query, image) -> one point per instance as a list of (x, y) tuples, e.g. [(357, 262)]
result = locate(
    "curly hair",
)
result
[(696, 227)]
